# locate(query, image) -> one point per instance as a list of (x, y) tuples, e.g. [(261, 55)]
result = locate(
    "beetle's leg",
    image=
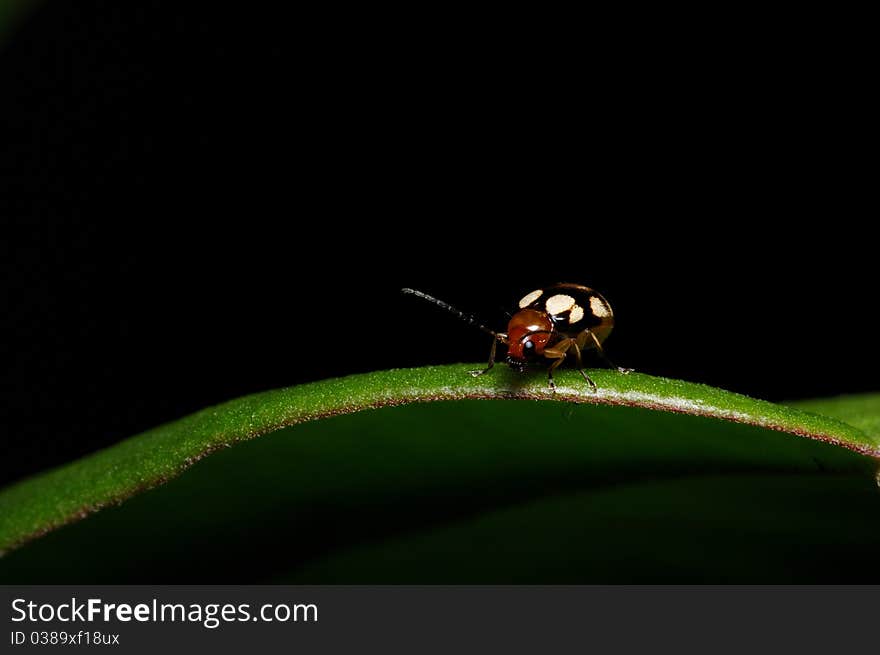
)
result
[(586, 336), (491, 363), (557, 353), (580, 365)]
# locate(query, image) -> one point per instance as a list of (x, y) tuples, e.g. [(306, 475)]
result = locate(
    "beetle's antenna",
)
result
[(470, 319)]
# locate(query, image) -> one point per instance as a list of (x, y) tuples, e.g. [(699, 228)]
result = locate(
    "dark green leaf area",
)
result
[(488, 491)]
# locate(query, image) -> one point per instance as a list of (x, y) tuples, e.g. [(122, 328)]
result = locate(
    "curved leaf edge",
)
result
[(35, 506)]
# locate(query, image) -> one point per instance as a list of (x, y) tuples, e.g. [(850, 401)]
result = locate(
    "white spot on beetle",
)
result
[(528, 299), (577, 313), (599, 307), (559, 303)]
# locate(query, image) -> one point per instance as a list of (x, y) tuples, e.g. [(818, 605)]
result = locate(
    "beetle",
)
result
[(552, 323)]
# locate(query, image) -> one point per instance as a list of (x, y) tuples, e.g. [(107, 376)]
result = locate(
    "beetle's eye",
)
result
[(529, 346)]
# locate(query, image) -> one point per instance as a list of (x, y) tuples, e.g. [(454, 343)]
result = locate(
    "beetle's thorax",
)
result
[(527, 325)]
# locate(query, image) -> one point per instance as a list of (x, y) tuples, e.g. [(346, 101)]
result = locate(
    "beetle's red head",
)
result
[(528, 333)]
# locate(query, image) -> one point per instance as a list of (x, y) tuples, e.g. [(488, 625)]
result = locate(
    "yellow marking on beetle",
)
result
[(559, 303), (599, 308), (530, 298), (577, 313)]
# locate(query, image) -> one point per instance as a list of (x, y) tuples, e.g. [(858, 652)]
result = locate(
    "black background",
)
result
[(198, 204)]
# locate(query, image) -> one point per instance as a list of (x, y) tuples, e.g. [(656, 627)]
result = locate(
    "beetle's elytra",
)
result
[(550, 324)]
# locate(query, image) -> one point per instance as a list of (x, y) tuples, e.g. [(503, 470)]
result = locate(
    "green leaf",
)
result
[(639, 482), (861, 411)]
